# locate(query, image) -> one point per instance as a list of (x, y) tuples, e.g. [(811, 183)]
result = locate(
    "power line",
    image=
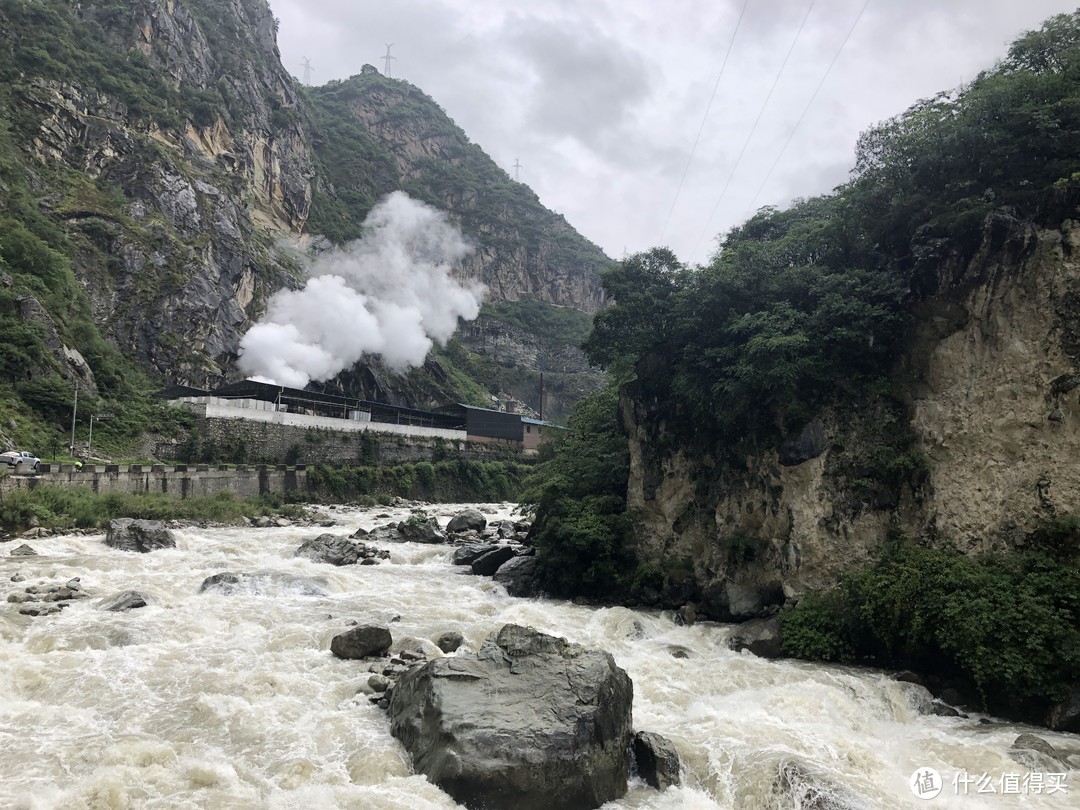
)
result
[(753, 129), (806, 109), (704, 118), (307, 70)]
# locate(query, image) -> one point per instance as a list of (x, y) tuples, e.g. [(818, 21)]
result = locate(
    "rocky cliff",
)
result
[(162, 150), (977, 448)]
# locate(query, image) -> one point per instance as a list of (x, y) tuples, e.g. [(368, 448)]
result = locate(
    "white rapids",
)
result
[(234, 701)]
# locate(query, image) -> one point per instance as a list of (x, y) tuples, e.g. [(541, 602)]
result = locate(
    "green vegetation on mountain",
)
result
[(421, 150), (807, 305)]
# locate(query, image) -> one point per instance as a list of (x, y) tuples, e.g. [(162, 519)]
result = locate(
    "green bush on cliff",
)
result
[(1007, 625), (579, 494)]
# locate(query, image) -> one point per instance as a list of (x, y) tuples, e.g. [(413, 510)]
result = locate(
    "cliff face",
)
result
[(990, 415), (169, 152), (170, 215)]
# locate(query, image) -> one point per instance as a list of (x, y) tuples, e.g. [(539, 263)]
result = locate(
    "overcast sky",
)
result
[(602, 101)]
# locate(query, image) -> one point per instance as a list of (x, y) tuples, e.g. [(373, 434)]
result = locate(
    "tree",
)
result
[(646, 289)]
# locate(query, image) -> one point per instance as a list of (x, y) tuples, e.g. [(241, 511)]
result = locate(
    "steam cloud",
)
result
[(389, 293)]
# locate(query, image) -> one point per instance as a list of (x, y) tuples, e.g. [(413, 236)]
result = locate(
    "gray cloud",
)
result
[(601, 101), (585, 84)]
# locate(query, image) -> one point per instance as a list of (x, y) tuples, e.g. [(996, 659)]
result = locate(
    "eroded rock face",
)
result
[(990, 376), (130, 534), (530, 722)]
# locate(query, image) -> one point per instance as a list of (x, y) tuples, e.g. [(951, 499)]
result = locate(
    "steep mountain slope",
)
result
[(153, 154), (375, 134)]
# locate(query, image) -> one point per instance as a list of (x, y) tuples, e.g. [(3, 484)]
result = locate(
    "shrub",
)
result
[(1007, 625)]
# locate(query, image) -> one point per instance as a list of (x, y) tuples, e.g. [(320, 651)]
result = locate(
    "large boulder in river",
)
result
[(362, 642), (657, 760), (488, 563), (130, 534), (127, 600), (518, 575), (466, 520), (465, 554), (331, 548), (421, 531), (762, 637), (530, 721)]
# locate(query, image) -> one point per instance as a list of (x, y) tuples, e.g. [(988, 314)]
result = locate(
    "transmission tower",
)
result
[(517, 166), (387, 59), (307, 70)]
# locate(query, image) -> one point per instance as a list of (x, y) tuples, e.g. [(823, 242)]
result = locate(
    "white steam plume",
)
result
[(389, 293)]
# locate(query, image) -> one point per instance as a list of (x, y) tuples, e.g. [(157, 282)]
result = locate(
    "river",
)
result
[(234, 701)]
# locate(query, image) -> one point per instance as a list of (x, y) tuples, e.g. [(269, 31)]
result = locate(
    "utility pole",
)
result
[(307, 71), (387, 59), (517, 166), (90, 439), (74, 410)]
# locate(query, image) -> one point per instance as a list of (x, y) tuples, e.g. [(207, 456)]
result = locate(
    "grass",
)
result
[(79, 508)]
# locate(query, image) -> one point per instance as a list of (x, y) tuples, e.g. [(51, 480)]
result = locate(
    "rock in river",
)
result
[(466, 520), (530, 721), (130, 534), (361, 642)]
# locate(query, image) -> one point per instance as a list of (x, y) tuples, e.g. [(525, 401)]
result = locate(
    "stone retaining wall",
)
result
[(255, 441), (180, 481)]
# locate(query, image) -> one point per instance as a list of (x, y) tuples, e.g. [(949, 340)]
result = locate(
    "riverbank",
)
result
[(66, 498)]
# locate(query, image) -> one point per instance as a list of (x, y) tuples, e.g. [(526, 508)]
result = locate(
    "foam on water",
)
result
[(233, 700)]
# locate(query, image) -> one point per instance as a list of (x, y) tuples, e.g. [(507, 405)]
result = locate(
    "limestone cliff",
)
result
[(163, 150), (171, 183), (979, 447)]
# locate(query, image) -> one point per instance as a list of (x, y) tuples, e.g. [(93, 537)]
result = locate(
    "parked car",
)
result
[(19, 461)]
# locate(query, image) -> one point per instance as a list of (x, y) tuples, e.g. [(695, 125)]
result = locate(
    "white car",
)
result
[(20, 461)]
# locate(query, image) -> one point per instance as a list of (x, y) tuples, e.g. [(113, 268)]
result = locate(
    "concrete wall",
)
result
[(182, 481)]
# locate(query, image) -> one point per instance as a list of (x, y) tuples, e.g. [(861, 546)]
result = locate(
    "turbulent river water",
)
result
[(206, 700)]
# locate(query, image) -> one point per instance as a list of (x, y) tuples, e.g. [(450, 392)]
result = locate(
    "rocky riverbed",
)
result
[(206, 673)]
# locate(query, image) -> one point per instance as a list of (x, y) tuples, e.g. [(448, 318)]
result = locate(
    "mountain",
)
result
[(154, 155)]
